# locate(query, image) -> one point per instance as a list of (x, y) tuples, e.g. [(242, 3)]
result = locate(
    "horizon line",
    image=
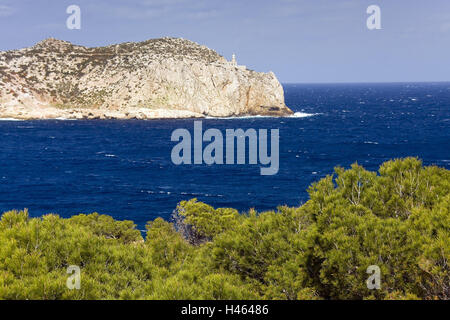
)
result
[(366, 82)]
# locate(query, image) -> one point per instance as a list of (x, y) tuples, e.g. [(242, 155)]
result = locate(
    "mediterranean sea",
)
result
[(123, 168)]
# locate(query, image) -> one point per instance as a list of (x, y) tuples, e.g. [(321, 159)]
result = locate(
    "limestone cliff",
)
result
[(159, 78)]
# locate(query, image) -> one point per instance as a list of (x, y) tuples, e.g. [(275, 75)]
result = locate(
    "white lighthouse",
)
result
[(234, 63), (233, 60)]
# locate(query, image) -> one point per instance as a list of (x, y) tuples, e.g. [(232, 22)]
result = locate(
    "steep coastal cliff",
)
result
[(159, 78)]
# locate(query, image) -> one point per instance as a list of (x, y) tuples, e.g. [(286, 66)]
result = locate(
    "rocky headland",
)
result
[(154, 79)]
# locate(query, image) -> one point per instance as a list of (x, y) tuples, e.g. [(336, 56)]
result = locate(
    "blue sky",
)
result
[(300, 40)]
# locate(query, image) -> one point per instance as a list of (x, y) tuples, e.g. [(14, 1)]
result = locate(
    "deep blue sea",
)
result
[(124, 168)]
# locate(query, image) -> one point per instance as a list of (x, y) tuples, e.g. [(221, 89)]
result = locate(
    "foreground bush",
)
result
[(398, 220)]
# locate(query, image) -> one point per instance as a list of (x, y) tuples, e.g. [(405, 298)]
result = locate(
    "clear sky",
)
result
[(300, 40)]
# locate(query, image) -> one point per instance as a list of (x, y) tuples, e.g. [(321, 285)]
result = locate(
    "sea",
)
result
[(123, 168)]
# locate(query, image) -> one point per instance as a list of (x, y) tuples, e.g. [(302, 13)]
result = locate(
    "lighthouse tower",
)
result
[(233, 60)]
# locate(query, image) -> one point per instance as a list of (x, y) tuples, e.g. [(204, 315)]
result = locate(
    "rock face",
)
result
[(159, 78)]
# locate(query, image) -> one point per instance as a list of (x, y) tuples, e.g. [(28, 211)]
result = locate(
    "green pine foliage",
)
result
[(397, 219)]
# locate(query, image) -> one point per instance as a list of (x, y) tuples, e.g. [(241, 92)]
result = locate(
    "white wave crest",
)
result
[(238, 117), (295, 115), (303, 115), (10, 119)]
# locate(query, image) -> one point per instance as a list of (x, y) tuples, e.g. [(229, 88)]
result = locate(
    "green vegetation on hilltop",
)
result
[(398, 219)]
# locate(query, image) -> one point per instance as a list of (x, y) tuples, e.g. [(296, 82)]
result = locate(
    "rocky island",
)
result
[(154, 79)]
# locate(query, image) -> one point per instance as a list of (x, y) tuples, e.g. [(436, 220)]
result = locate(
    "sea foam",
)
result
[(10, 119), (303, 115)]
